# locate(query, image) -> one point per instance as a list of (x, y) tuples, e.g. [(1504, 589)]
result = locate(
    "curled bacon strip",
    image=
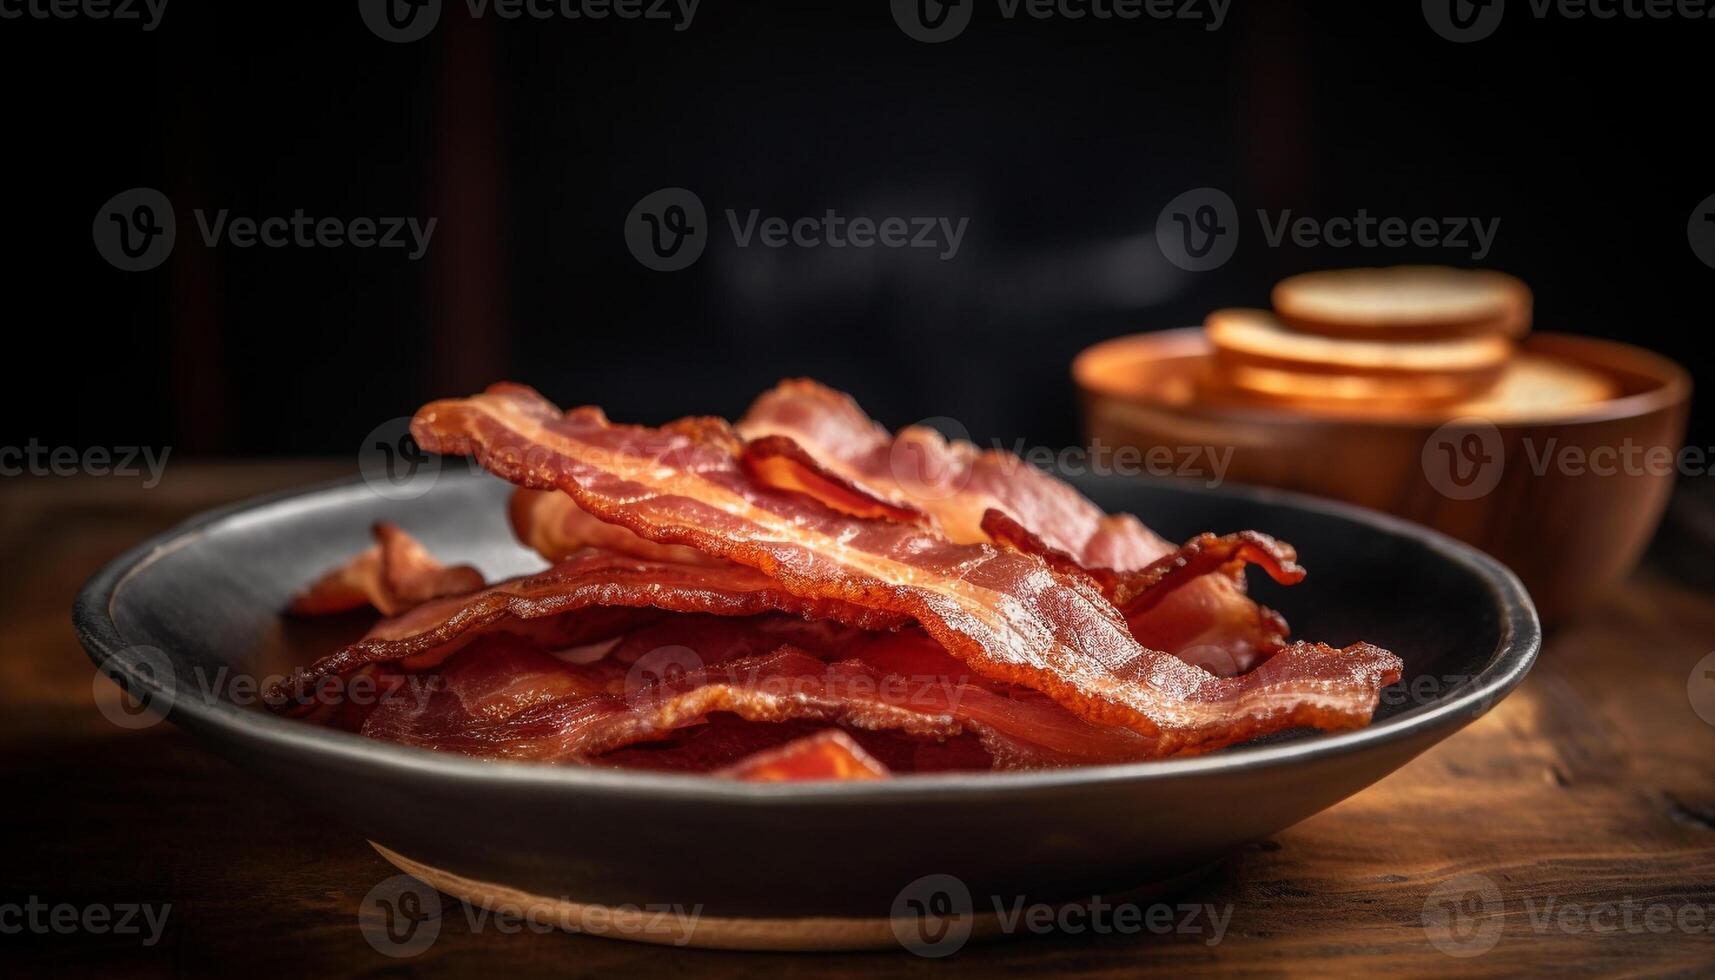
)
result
[(1140, 590), (956, 486), (953, 483), (826, 755), (550, 524), (537, 605), (502, 697), (526, 720), (393, 575), (780, 462), (1006, 614)]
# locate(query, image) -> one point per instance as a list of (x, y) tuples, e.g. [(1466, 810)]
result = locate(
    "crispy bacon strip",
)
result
[(1004, 613), (1138, 591), (780, 462), (393, 575), (502, 701), (504, 698), (550, 524), (955, 483), (537, 605), (1212, 623), (827, 755)]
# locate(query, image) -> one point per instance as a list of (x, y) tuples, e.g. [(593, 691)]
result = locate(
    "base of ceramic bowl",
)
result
[(938, 924)]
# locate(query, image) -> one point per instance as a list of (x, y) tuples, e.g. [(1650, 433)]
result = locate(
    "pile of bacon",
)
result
[(806, 596)]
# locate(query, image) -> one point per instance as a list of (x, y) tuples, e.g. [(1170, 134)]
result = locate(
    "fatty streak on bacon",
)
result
[(819, 438), (1139, 592), (537, 605), (548, 523), (504, 699), (393, 575), (1018, 728), (1006, 614), (826, 755)]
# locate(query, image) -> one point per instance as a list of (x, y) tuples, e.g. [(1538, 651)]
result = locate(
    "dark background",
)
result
[(532, 140)]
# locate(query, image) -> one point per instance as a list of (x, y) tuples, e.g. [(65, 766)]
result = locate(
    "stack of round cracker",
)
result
[(1396, 341)]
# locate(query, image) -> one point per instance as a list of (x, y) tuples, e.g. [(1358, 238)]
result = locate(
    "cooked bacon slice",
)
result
[(1212, 623), (725, 739), (538, 605), (550, 524), (827, 755), (1137, 591), (393, 575), (955, 483), (1016, 728), (780, 462), (1004, 613), (503, 699)]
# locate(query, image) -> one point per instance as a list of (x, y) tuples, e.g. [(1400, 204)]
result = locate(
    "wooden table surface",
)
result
[(1572, 830)]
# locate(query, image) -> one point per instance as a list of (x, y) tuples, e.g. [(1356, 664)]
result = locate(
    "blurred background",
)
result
[(530, 141)]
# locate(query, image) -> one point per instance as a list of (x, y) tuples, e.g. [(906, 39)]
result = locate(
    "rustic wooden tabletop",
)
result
[(1572, 830)]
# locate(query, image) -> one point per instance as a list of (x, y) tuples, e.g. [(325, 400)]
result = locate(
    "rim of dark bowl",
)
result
[(1516, 650)]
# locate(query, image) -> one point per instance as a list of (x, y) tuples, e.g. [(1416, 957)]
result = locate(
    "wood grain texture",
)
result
[(1592, 788)]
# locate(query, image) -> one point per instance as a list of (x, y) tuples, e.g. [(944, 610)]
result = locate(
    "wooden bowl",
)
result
[(1567, 497)]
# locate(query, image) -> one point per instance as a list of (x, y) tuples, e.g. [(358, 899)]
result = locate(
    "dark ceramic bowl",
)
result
[(191, 610)]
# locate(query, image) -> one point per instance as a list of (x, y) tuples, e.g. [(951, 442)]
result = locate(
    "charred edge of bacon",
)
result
[(591, 580), (1068, 644), (780, 462)]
